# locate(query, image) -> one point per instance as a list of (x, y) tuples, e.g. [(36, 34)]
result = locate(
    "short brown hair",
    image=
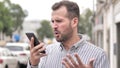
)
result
[(72, 8)]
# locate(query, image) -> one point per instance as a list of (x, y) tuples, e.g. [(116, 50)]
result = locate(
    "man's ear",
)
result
[(74, 22)]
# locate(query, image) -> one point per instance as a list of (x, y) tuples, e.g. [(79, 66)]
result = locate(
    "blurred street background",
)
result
[(99, 23)]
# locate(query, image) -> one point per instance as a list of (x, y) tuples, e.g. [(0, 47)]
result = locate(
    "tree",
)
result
[(85, 25), (18, 16), (1, 11), (5, 20), (11, 17), (45, 30)]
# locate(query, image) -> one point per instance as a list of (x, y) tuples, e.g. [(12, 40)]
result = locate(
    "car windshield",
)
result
[(15, 48)]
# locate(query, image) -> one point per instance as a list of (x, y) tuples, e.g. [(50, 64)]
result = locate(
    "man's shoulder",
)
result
[(93, 47)]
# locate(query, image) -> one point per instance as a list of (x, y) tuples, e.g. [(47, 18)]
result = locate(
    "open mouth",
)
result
[(56, 33)]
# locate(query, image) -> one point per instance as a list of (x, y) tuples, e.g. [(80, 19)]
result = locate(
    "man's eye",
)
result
[(52, 21), (58, 20)]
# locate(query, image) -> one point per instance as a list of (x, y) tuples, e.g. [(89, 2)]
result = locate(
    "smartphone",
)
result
[(36, 42)]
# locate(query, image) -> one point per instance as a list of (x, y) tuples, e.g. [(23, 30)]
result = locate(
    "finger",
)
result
[(41, 49), (78, 59), (38, 54), (36, 48), (39, 46), (91, 62), (67, 63), (72, 60), (42, 54), (32, 43)]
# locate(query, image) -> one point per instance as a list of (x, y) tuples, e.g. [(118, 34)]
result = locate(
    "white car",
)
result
[(21, 51), (7, 60)]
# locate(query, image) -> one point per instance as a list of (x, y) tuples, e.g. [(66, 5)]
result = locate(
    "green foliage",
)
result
[(45, 30), (11, 17), (17, 16), (85, 25), (5, 19), (1, 26)]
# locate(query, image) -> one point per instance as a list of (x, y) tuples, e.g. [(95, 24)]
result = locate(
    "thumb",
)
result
[(91, 62)]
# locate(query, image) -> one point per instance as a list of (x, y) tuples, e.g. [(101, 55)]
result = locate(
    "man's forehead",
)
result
[(59, 10)]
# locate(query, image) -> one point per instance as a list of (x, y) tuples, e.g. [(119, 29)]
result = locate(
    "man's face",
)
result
[(61, 25)]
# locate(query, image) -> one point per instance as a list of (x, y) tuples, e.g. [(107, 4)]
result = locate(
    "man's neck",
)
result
[(69, 43)]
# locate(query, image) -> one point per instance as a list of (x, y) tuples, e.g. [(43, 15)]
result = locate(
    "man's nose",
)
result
[(54, 25)]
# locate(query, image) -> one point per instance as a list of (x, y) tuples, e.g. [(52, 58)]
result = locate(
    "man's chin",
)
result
[(58, 40)]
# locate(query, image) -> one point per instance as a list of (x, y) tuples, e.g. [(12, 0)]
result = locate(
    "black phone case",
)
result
[(30, 35), (36, 42)]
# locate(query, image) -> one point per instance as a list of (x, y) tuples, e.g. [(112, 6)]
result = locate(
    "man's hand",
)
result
[(69, 62), (35, 54)]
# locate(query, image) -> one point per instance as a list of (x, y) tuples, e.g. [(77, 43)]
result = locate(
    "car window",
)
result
[(15, 48)]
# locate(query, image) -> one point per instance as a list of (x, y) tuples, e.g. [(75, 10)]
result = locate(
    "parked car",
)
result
[(7, 60), (21, 51)]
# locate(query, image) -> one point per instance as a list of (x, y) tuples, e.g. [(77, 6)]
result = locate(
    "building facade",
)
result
[(107, 29)]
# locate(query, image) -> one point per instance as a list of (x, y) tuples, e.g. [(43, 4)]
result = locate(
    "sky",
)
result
[(41, 9)]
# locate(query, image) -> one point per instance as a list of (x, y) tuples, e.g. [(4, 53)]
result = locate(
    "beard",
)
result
[(65, 35)]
